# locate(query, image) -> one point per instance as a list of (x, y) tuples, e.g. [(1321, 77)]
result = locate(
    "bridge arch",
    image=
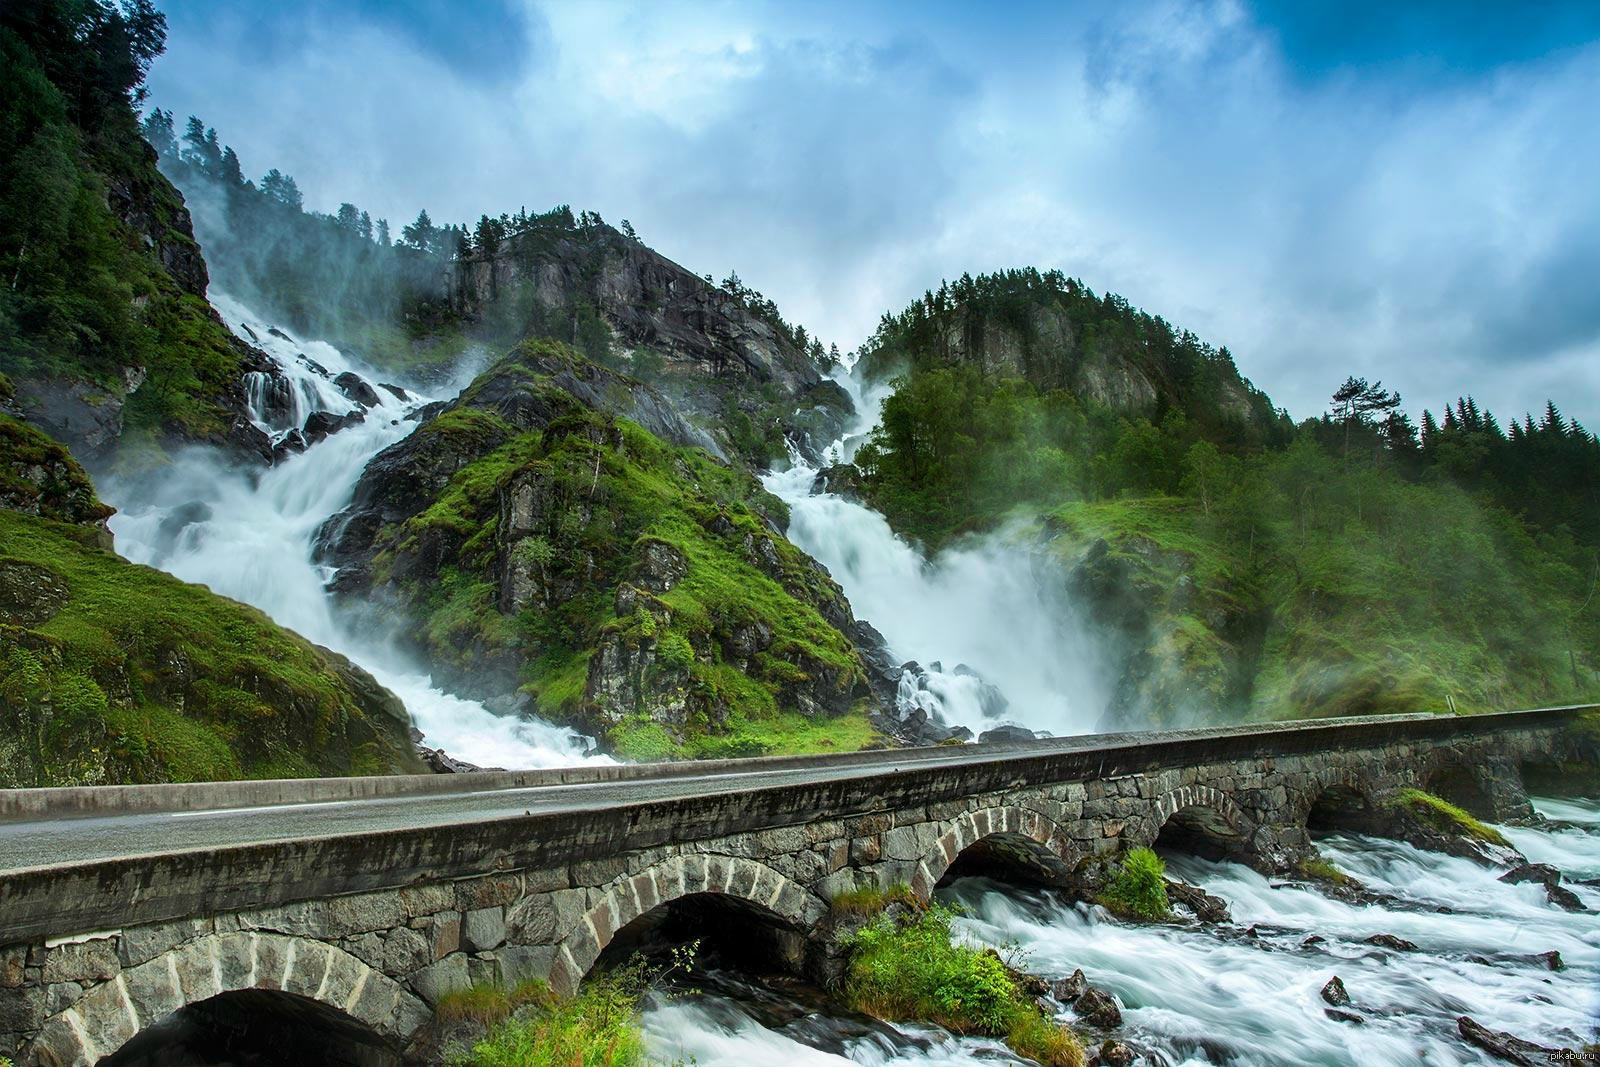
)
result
[(309, 976), (761, 890), (1200, 820), (1036, 844), (1337, 800)]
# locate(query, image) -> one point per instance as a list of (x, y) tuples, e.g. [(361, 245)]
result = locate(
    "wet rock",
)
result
[(274, 331), (1098, 1008), (1390, 941), (1343, 1016), (1070, 988), (290, 444), (1506, 1046), (1562, 897), (1542, 873), (322, 424), (1206, 908), (399, 393), (441, 762), (1335, 993), (1552, 960), (356, 388), (1112, 1054), (1314, 939), (1006, 732)]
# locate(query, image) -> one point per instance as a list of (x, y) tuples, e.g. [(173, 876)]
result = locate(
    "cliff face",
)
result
[(730, 365), (553, 534), (114, 672)]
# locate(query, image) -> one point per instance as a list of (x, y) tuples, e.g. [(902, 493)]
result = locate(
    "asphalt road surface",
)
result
[(51, 842)]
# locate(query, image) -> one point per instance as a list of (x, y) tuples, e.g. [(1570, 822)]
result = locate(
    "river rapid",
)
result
[(1195, 994)]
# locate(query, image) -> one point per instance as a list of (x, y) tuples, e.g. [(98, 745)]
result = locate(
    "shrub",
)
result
[(911, 970), (675, 652), (1138, 890)]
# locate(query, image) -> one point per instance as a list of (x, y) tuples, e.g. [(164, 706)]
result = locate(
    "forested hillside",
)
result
[(1247, 566), (104, 327)]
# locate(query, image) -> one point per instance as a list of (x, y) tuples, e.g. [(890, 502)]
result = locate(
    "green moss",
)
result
[(149, 679), (1138, 888), (1443, 816), (1320, 870)]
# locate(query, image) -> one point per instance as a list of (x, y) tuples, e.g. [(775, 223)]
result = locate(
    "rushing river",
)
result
[(1194, 994)]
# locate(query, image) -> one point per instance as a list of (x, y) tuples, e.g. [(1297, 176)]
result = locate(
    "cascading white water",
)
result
[(986, 603), (248, 535), (1196, 995)]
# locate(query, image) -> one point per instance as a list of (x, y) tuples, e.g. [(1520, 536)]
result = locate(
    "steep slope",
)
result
[(114, 672), (551, 533), (104, 327)]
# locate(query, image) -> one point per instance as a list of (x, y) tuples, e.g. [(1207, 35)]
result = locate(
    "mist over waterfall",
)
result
[(248, 534), (980, 616)]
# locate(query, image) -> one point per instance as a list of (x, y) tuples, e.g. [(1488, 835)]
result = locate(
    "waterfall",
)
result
[(985, 614), (248, 534)]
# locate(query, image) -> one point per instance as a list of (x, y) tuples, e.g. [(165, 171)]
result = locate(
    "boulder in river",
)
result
[(1206, 908), (1335, 993), (1098, 1008), (322, 424), (1112, 1054), (1390, 941), (1542, 873), (1506, 1046), (1344, 1016), (1070, 988), (356, 388)]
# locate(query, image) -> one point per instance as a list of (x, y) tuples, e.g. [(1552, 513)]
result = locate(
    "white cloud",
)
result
[(1441, 236)]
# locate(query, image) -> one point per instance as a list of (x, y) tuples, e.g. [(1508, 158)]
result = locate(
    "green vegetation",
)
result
[(1138, 888), (102, 273), (1320, 870), (910, 970), (488, 1003), (114, 672), (654, 605), (1254, 568), (868, 900), (1443, 816), (533, 1027)]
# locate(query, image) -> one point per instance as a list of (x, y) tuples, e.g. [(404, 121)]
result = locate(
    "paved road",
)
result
[(49, 842), (46, 842)]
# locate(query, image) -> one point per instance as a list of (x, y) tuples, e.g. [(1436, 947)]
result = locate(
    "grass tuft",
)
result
[(868, 900)]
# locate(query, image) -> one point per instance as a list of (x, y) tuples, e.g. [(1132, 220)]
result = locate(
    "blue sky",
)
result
[(1405, 192)]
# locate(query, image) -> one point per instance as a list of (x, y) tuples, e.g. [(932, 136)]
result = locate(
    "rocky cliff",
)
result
[(725, 359), (554, 533)]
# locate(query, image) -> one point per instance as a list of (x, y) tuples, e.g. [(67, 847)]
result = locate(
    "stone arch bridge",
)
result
[(385, 894)]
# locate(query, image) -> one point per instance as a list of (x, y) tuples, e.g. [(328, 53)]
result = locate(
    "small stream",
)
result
[(1194, 994)]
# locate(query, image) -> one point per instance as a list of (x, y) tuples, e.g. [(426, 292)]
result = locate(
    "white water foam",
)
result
[(986, 602)]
